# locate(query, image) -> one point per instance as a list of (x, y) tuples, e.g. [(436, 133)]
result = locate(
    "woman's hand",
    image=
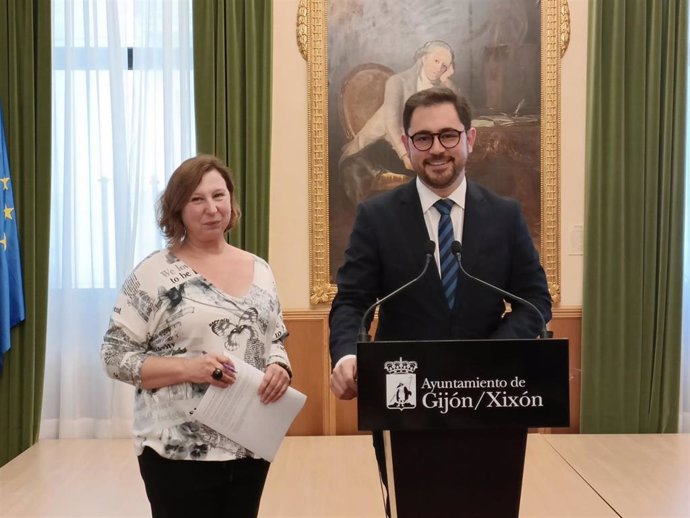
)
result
[(157, 372), (201, 370), (275, 383)]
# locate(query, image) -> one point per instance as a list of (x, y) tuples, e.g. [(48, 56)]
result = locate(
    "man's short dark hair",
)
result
[(432, 97)]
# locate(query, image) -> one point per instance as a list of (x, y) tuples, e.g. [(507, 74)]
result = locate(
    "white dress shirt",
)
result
[(432, 217)]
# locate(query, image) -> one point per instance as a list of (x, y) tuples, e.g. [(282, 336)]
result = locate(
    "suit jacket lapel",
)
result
[(412, 218)]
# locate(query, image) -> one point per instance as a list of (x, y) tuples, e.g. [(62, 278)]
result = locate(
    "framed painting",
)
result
[(366, 56)]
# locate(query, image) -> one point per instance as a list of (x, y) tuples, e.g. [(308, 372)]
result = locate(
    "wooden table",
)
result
[(640, 476), (566, 476)]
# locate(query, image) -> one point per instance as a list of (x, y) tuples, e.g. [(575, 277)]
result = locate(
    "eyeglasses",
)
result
[(448, 138)]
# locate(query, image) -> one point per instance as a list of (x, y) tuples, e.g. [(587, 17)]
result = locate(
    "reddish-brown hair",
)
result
[(180, 188)]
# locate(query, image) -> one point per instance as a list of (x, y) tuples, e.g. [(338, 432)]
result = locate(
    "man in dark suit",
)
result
[(387, 249), (391, 231)]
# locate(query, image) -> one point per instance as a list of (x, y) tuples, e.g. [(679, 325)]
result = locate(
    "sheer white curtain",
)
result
[(685, 339), (123, 119)]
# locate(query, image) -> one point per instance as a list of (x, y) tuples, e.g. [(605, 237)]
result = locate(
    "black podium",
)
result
[(454, 417)]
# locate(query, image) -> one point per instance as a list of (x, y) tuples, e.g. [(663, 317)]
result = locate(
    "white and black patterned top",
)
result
[(167, 309)]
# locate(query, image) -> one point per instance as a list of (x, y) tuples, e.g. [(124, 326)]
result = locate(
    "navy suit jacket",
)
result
[(387, 249)]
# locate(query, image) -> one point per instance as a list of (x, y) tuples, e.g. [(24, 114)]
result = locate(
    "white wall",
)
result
[(573, 111), (289, 225)]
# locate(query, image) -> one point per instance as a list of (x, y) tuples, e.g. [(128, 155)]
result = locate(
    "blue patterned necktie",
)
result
[(449, 265)]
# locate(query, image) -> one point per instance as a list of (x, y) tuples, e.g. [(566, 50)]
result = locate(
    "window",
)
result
[(123, 119)]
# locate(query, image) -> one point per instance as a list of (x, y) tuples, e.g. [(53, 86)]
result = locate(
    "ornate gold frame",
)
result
[(312, 37)]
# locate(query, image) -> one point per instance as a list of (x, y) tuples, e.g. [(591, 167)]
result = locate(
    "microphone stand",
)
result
[(457, 250), (363, 335)]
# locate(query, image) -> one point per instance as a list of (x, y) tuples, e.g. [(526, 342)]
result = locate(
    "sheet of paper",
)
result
[(238, 413)]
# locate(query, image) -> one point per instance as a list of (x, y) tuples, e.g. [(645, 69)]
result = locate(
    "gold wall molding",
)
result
[(302, 28), (551, 146), (317, 86), (565, 26), (561, 312)]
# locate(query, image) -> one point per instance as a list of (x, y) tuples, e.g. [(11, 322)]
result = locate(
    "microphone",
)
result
[(456, 249), (363, 336)]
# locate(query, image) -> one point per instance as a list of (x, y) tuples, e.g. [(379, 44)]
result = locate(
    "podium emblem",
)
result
[(401, 384)]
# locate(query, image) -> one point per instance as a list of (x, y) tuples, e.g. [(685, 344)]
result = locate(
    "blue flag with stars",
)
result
[(11, 290)]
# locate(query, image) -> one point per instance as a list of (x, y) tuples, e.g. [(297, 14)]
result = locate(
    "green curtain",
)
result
[(232, 82), (25, 78), (635, 169)]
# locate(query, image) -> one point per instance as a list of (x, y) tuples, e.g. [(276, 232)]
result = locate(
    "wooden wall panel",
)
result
[(567, 323), (324, 415), (307, 348), (345, 417)]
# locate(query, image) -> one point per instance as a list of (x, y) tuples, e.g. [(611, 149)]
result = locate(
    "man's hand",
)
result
[(344, 379)]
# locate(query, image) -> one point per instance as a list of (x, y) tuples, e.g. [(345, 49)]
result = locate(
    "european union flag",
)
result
[(11, 290)]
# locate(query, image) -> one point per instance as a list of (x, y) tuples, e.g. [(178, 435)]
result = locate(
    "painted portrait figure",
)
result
[(377, 148)]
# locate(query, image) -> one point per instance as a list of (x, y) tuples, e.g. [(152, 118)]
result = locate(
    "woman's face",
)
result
[(207, 213), (436, 63)]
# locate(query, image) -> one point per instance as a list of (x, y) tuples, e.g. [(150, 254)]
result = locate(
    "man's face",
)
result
[(440, 169)]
